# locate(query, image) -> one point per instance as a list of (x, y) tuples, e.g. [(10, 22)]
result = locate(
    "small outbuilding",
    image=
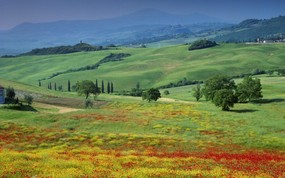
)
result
[(2, 95)]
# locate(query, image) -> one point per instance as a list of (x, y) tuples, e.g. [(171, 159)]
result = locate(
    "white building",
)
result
[(2, 95)]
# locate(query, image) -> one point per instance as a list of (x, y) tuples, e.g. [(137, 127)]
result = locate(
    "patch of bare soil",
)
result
[(170, 100), (61, 109)]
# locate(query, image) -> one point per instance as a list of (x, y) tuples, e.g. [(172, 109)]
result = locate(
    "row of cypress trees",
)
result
[(110, 86)]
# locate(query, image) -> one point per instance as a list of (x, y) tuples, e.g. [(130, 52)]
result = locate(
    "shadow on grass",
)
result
[(21, 108), (243, 110), (268, 101)]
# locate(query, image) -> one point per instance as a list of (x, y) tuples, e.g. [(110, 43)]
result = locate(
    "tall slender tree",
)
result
[(40, 84), (108, 88), (55, 88), (96, 85), (50, 87), (112, 87), (103, 90), (138, 86), (68, 86)]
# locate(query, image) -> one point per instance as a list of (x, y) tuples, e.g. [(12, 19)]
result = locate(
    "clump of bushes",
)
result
[(166, 92), (28, 99), (88, 103), (14, 103), (201, 44), (223, 91)]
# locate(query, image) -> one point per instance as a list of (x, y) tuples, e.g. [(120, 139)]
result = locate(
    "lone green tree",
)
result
[(224, 98), (249, 89), (40, 84), (55, 88), (151, 95), (86, 88), (197, 92)]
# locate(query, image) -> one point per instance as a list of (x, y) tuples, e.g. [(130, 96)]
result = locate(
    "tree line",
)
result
[(110, 58), (220, 90), (182, 82), (185, 81), (98, 88), (64, 49)]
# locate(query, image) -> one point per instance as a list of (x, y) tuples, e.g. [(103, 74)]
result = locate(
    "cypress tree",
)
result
[(40, 84), (108, 88), (112, 87), (55, 86), (96, 85), (103, 86), (68, 86), (50, 87), (138, 86)]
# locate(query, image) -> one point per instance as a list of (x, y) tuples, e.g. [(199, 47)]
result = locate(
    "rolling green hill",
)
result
[(151, 67)]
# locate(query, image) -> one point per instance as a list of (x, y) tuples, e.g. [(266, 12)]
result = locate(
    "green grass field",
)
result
[(151, 67), (127, 137)]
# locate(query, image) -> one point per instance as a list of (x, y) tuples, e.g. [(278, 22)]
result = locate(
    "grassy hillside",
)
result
[(151, 67)]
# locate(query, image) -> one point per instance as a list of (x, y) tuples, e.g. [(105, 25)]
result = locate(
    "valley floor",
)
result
[(126, 137)]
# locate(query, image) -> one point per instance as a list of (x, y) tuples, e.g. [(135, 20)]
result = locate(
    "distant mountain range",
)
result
[(142, 27), (144, 24)]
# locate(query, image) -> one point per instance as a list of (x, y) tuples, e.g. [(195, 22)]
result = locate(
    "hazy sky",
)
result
[(14, 12)]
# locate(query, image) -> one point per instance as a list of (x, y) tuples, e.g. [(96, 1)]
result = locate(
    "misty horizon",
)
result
[(15, 12)]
